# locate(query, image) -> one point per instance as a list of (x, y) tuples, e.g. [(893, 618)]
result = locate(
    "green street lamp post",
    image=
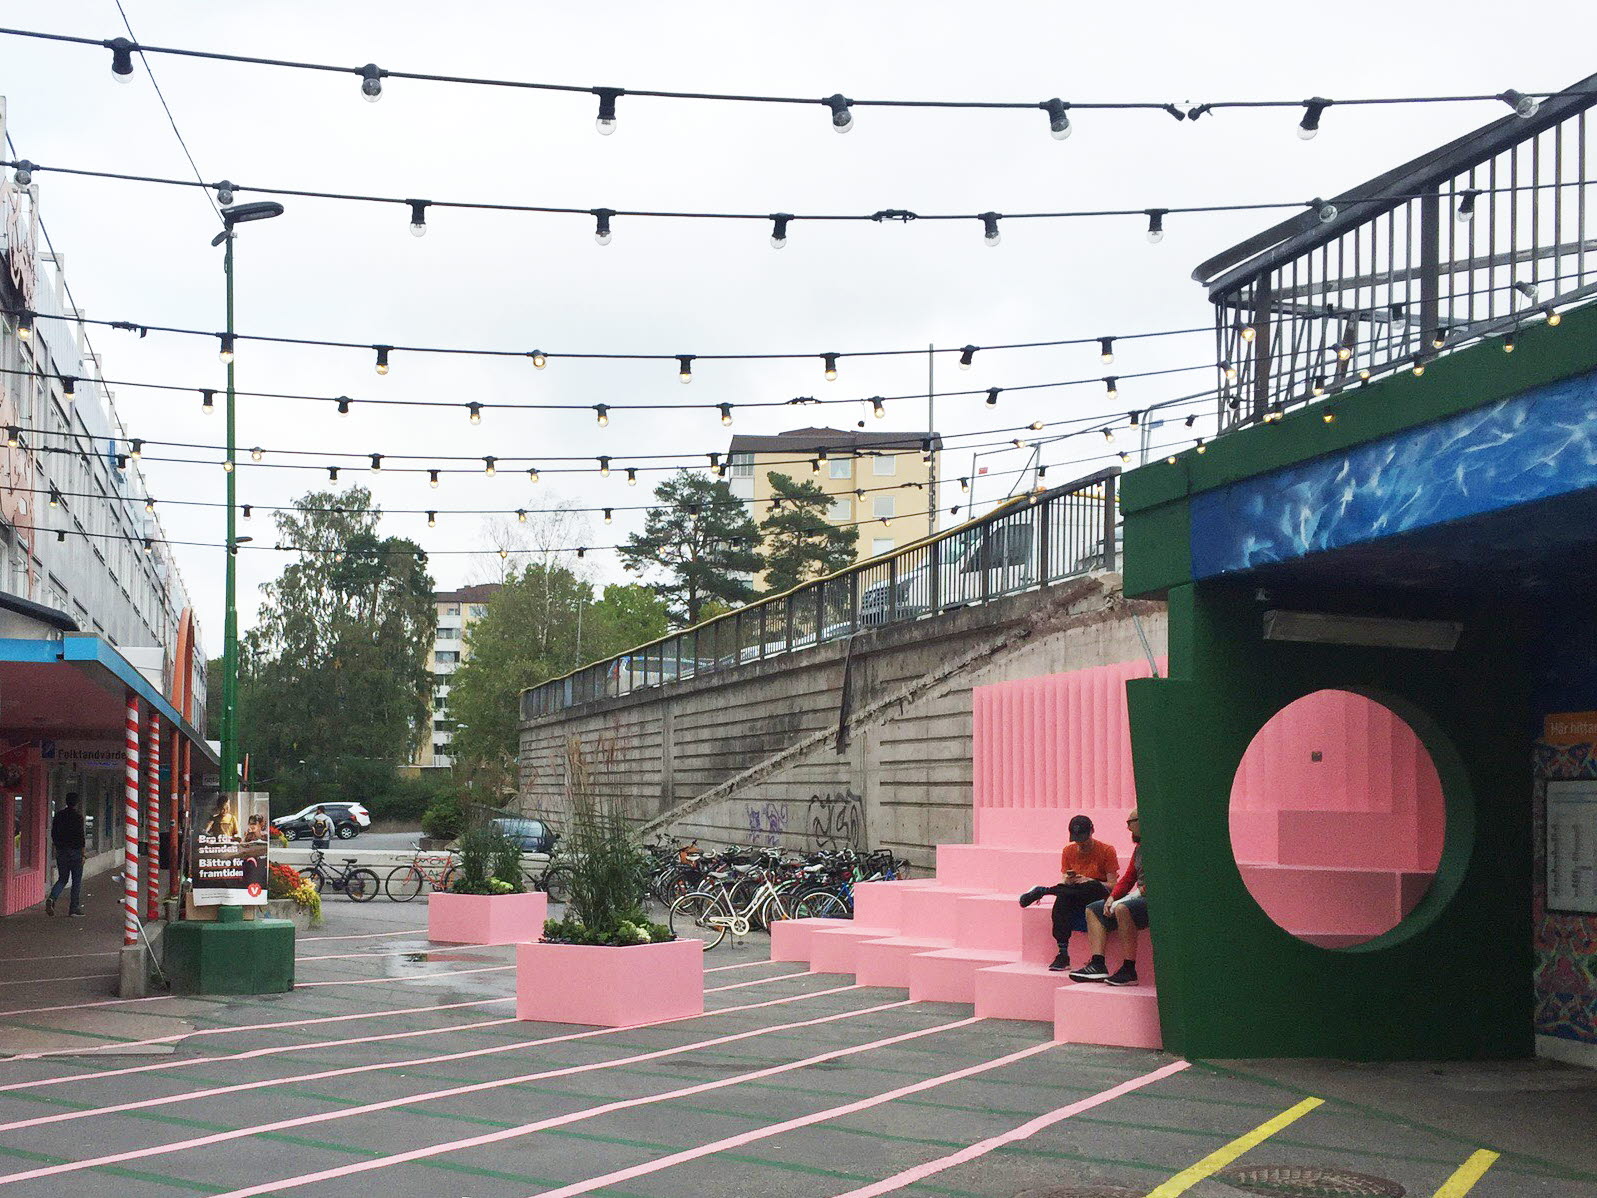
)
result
[(236, 215)]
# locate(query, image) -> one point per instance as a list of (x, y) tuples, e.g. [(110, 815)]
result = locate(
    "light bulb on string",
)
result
[(607, 517), (432, 519), (248, 509), (521, 515), (24, 326), (474, 412), (878, 410), (532, 474), (1106, 350), (632, 476), (1247, 332), (604, 466), (1524, 106), (257, 454), (136, 449), (490, 466), (539, 359), (990, 233), (207, 401), (23, 175), (332, 474), (685, 368), (1466, 205), (726, 413), (343, 405), (829, 362), (602, 414), (601, 225), (225, 354), (1156, 224), (377, 462), (224, 193), (967, 356), (842, 114), (992, 396), (1108, 435), (605, 123), (121, 59), (371, 82), (382, 357), (1111, 386), (779, 222), (1058, 118), (1310, 124), (418, 217)]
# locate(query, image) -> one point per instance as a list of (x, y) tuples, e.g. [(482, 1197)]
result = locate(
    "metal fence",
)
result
[(1472, 240), (1029, 542)]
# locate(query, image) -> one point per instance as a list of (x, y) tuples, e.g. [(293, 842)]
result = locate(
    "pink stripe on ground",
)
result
[(909, 1177), (776, 1129), (802, 973), (365, 935), (381, 1066), (424, 977), (432, 954), (477, 1087), (124, 1045), (608, 1108), (744, 965), (82, 977), (77, 1006)]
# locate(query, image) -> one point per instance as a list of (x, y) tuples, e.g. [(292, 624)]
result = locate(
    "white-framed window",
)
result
[(842, 511), (452, 610), (742, 464), (479, 610), (840, 467), (884, 505), (881, 545), (885, 465)]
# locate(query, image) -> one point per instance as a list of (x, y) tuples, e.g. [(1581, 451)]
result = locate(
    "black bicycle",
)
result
[(359, 883)]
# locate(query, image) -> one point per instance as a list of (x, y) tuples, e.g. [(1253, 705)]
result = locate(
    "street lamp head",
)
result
[(239, 214)]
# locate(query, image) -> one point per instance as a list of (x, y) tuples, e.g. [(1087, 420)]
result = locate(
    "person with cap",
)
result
[(1088, 868), (1125, 910)]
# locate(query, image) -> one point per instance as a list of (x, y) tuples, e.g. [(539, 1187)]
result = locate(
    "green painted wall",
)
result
[(1153, 499), (1453, 981)]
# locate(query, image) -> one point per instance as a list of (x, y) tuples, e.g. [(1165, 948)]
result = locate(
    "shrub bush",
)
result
[(444, 819)]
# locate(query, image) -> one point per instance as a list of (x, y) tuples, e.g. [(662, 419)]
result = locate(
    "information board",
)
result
[(228, 851), (1572, 846)]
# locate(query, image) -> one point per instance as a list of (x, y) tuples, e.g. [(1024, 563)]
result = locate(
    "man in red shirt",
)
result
[(1125, 910), (1087, 869)]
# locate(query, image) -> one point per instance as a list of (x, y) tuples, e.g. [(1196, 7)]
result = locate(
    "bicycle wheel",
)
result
[(445, 882), (316, 878), (689, 919), (404, 883), (362, 885), (820, 904), (556, 883)]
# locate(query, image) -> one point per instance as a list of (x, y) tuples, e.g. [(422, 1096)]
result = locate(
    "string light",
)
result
[(13, 436), (136, 450), (257, 454), (149, 505), (1528, 290), (1191, 420), (377, 462), (382, 357), (490, 466), (24, 173), (602, 414), (343, 405), (503, 554), (1135, 418), (685, 367), (332, 474), (1554, 316), (1310, 124), (371, 82), (877, 408), (582, 551), (418, 217), (224, 193), (632, 476), (726, 413), (1200, 447), (604, 466), (69, 387), (1229, 371), (521, 515), (1156, 224), (24, 326), (121, 59), (601, 226), (432, 519), (1171, 460), (1108, 435), (606, 121), (1058, 118), (474, 410), (1247, 332), (1508, 344), (226, 352), (966, 357), (992, 396), (829, 361), (779, 222), (964, 486), (1111, 386), (1106, 350), (815, 465), (207, 401), (842, 114), (149, 546), (1466, 205), (247, 510), (1319, 386), (539, 359), (990, 233), (1328, 416), (532, 474), (1419, 366), (607, 519), (1524, 106)]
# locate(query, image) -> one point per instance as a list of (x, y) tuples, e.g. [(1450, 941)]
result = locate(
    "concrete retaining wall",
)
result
[(772, 753)]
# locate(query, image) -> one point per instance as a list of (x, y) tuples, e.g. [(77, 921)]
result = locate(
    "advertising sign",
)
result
[(1572, 846), (228, 851)]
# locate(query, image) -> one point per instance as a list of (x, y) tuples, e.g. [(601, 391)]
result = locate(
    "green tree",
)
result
[(701, 538), (334, 691), (801, 542), (543, 622)]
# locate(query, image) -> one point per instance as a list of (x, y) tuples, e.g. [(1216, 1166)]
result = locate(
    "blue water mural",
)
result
[(1537, 445)]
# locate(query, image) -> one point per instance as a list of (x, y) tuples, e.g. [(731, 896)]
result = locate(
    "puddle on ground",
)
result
[(447, 957)]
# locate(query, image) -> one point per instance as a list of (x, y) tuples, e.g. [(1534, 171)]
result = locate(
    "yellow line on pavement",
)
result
[(1468, 1174), (1221, 1157)]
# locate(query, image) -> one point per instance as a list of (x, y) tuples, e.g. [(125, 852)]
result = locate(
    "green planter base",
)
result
[(254, 957)]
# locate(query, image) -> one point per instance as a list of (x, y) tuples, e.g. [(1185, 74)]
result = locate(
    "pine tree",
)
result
[(801, 542), (700, 537)]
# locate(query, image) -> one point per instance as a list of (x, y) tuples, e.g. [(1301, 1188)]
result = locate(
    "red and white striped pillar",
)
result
[(152, 818), (130, 824), (180, 795)]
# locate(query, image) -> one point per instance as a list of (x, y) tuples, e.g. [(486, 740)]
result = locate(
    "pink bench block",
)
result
[(986, 867), (835, 950), (931, 911), (790, 938), (1091, 1013), (878, 903), (485, 918), (886, 962), (989, 921), (949, 974), (609, 987)]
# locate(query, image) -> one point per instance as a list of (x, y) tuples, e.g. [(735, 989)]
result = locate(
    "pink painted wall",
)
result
[(25, 888)]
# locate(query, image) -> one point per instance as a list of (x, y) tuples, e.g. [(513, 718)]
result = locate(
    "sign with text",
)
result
[(1570, 728), (228, 851), (1572, 846)]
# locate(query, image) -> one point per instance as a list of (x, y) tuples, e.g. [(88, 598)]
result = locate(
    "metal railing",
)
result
[(1031, 541), (1472, 240)]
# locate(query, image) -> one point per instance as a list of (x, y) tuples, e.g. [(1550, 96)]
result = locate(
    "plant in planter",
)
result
[(487, 902), (605, 963), (285, 885)]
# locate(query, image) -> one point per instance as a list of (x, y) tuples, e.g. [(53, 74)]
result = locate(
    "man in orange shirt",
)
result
[(1088, 869)]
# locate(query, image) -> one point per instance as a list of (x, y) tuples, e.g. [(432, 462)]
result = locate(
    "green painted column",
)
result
[(1453, 980)]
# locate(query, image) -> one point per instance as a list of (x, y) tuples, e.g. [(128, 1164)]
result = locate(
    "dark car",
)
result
[(349, 821), (533, 835)]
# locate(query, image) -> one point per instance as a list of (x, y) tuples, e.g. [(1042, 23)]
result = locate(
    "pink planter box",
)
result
[(609, 987), (486, 918)]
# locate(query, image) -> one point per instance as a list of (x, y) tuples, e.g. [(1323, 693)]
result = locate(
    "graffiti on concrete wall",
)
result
[(837, 820), (767, 824)]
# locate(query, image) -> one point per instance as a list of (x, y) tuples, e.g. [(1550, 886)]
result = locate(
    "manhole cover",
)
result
[(1300, 1181), (1081, 1192)]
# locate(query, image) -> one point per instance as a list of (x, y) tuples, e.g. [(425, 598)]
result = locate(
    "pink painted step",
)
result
[(949, 974), (1092, 1013), (886, 962), (988, 867), (790, 938), (932, 911), (1332, 899), (1025, 989), (989, 930), (836, 950)]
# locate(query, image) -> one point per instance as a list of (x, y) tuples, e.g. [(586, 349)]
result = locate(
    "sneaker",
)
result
[(76, 914), (49, 905), (1093, 971), (1061, 962), (1032, 895), (1126, 975)]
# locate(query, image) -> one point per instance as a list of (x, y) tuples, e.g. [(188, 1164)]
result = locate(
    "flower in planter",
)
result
[(306, 896), (282, 881)]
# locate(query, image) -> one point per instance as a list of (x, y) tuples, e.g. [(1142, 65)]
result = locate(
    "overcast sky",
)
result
[(353, 272)]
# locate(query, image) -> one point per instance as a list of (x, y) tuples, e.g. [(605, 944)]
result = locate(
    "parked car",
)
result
[(349, 821), (533, 835)]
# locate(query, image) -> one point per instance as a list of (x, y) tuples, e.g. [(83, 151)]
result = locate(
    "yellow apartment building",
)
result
[(457, 611)]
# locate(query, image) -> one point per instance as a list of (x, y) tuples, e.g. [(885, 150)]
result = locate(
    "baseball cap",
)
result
[(1080, 825)]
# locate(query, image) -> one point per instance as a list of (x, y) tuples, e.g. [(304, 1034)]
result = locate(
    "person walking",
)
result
[(321, 829), (66, 835), (1087, 869)]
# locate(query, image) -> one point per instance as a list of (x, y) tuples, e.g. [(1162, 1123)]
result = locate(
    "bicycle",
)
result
[(715, 912), (405, 882), (359, 883)]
